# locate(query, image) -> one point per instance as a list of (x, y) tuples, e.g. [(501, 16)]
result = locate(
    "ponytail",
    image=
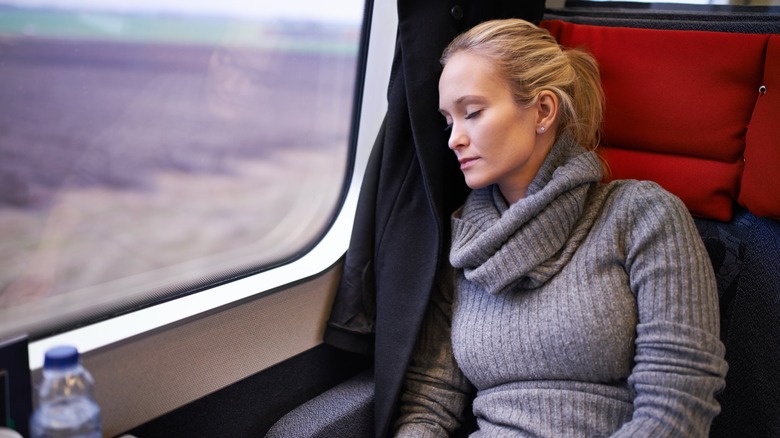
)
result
[(588, 98)]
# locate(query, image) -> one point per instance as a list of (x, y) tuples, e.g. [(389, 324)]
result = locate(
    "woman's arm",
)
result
[(679, 364), (435, 391)]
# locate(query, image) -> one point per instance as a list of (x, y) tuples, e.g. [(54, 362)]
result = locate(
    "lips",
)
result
[(466, 162)]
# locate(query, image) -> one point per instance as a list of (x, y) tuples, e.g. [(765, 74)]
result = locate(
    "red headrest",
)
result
[(678, 106)]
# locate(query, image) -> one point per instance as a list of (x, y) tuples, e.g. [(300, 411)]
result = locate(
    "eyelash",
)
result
[(472, 114), (468, 116)]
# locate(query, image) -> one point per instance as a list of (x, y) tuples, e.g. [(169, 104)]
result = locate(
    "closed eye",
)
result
[(471, 115)]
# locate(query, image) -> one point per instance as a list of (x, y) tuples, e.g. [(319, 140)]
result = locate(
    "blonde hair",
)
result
[(532, 61)]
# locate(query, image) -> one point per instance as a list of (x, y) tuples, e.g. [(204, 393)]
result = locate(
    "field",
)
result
[(126, 166)]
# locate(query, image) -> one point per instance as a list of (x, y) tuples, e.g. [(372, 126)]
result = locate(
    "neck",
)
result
[(517, 188)]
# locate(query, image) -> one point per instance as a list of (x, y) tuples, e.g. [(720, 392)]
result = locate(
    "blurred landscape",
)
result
[(163, 155)]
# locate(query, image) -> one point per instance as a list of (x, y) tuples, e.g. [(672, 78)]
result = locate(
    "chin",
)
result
[(476, 184)]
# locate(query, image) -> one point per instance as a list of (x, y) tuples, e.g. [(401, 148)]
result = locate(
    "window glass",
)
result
[(149, 148)]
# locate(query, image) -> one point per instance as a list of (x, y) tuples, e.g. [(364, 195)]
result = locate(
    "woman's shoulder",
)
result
[(641, 192), (643, 201)]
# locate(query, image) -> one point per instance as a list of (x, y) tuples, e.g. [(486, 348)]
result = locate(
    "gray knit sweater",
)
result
[(584, 309)]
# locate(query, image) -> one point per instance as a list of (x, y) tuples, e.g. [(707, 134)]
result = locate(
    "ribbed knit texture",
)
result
[(581, 310)]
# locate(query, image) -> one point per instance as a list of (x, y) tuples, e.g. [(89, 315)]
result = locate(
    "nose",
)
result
[(458, 138)]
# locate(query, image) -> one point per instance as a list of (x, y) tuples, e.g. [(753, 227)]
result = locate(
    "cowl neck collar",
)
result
[(499, 246)]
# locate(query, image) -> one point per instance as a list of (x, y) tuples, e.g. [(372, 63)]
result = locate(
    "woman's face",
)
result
[(494, 138)]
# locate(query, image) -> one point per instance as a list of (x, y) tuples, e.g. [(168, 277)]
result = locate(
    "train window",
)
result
[(152, 148)]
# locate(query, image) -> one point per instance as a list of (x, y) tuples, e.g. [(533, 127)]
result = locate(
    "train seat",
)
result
[(696, 111), (343, 411)]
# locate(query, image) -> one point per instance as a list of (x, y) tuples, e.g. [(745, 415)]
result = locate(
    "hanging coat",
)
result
[(412, 185)]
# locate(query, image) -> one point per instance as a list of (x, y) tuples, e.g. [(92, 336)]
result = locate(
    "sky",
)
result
[(349, 11)]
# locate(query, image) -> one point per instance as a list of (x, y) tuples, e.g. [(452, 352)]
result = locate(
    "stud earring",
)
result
[(541, 129)]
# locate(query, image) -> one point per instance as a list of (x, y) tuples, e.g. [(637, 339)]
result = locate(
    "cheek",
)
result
[(510, 138), (490, 137), (517, 145)]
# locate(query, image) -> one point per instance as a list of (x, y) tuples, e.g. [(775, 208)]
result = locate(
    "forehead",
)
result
[(467, 73)]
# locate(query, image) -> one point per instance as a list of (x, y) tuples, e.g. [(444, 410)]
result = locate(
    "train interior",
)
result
[(693, 100)]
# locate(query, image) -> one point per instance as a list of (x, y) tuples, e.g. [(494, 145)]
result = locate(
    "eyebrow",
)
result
[(460, 100), (468, 96)]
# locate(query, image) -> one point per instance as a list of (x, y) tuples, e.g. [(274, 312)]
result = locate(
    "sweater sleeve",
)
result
[(678, 364), (435, 390)]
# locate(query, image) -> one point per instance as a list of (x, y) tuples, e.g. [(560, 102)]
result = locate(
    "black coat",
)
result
[(412, 184)]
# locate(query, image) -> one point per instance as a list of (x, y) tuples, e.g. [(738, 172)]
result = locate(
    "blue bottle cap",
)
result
[(61, 357)]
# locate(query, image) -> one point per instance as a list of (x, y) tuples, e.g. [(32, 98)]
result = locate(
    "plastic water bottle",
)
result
[(66, 407)]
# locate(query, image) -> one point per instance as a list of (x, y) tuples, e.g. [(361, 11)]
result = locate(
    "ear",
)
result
[(547, 111)]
